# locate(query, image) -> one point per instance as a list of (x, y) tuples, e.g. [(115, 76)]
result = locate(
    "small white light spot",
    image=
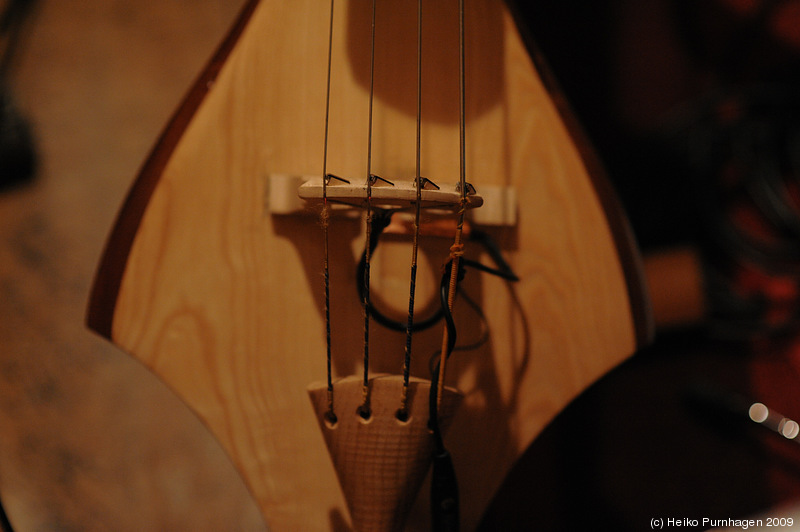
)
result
[(759, 412), (790, 429)]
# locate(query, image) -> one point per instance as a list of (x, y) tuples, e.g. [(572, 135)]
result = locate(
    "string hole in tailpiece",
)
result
[(402, 415), (330, 419), (364, 412)]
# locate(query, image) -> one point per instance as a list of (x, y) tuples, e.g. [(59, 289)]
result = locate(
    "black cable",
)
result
[(380, 221), (444, 485), (503, 269)]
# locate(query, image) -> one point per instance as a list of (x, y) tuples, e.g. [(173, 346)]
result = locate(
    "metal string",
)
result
[(364, 410), (325, 218), (457, 249), (403, 412)]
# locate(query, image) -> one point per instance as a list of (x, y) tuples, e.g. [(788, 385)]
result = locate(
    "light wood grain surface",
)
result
[(223, 300), (89, 439)]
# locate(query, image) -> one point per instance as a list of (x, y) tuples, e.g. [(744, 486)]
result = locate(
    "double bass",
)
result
[(350, 195)]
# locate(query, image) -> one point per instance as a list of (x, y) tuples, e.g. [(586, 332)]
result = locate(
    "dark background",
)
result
[(691, 105)]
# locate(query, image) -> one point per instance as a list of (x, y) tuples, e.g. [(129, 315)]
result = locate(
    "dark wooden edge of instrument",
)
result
[(108, 278), (627, 248)]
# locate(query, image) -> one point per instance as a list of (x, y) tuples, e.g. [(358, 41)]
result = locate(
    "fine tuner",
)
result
[(390, 194), (289, 194)]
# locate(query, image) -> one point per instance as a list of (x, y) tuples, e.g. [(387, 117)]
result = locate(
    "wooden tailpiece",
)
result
[(380, 461)]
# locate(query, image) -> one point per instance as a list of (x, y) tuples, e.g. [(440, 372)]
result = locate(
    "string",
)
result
[(364, 409), (444, 485), (325, 219), (403, 412), (457, 249)]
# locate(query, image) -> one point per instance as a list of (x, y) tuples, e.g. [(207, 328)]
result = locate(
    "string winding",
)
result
[(364, 410), (402, 413), (325, 222)]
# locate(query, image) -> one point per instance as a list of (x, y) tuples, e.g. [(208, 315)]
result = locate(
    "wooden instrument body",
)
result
[(223, 300)]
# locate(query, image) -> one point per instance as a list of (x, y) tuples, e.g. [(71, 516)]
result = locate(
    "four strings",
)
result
[(456, 249)]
